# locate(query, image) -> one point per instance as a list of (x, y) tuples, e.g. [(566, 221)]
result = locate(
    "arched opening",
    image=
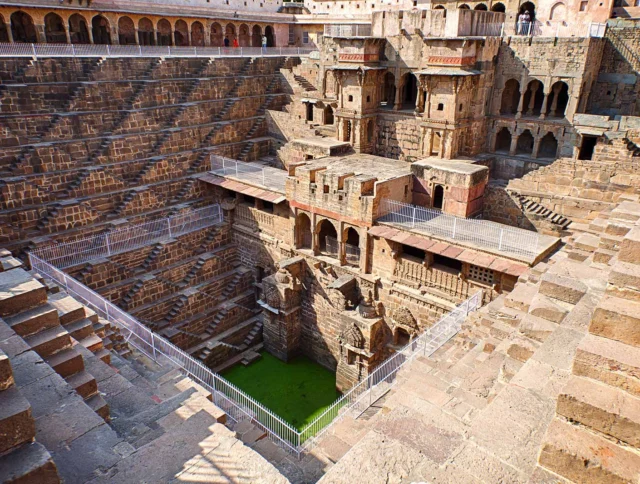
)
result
[(389, 93), (438, 197), (126, 31), (309, 111), (498, 7), (4, 35), (503, 140), (22, 28), (328, 115), (481, 7), (216, 35), (525, 143), (464, 6), (409, 91), (533, 98), (256, 36), (229, 35), (101, 30), (181, 34), (327, 238), (54, 29), (558, 100), (558, 12), (197, 34), (401, 337), (548, 146), (164, 32), (352, 247), (78, 31), (525, 26), (145, 32), (370, 128), (439, 7), (510, 97), (270, 35), (303, 231), (244, 39)]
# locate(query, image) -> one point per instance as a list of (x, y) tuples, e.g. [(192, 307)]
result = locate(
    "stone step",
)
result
[(81, 329), (83, 383), (585, 457), (30, 463), (20, 291), (6, 373), (49, 341), (104, 355), (99, 406), (606, 409), (610, 362), (93, 343), (16, 422), (562, 288), (550, 309), (630, 247), (624, 281), (66, 362), (521, 297), (617, 319), (69, 310), (34, 320)]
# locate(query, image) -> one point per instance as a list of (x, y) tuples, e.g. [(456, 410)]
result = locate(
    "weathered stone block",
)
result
[(562, 288), (618, 319)]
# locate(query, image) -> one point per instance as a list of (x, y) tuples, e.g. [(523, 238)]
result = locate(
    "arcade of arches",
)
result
[(83, 28)]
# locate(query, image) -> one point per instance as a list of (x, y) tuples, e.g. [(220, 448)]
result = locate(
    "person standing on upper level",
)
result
[(226, 41), (235, 43), (264, 44)]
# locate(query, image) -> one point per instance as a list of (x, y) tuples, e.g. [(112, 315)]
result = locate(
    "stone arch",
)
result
[(164, 32), (54, 29), (197, 34), (101, 29), (437, 201), (498, 7), (270, 35), (464, 6), (528, 7), (389, 90), (558, 12), (78, 31), (533, 98), (325, 228), (256, 36), (244, 38), (439, 7), (409, 90), (22, 27), (351, 236), (558, 100), (216, 36), (328, 115), (510, 97), (230, 33), (145, 32), (4, 35), (401, 337), (548, 146), (352, 248), (481, 7), (503, 140), (126, 31), (525, 143), (181, 34), (304, 237), (353, 336)]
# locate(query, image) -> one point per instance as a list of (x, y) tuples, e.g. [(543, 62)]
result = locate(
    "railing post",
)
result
[(153, 346), (413, 218), (169, 226), (106, 239), (500, 243), (455, 223), (108, 51), (33, 48), (140, 50), (73, 50)]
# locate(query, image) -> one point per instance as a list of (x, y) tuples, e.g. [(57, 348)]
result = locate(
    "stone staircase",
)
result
[(534, 210)]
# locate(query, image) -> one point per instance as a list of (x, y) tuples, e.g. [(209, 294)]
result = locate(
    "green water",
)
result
[(298, 391)]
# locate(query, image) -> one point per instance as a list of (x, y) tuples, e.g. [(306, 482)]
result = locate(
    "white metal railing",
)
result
[(254, 173), (482, 233), (128, 238), (374, 386), (104, 50), (347, 30), (351, 252), (560, 28), (331, 246), (238, 405)]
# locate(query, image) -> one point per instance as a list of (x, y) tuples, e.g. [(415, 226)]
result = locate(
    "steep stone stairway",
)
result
[(534, 209)]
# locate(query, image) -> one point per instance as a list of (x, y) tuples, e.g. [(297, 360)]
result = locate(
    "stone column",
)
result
[(554, 103), (207, 34), (520, 104), (427, 107), (396, 103), (67, 34), (543, 109), (420, 99), (41, 36), (514, 144), (536, 147), (428, 145), (315, 242), (90, 32), (7, 26), (364, 254), (532, 99), (136, 36), (115, 35)]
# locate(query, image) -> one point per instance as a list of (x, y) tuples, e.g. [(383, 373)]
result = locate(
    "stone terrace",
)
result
[(100, 415)]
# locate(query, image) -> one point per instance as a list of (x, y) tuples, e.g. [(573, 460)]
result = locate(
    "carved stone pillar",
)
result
[(532, 99), (396, 103), (7, 26), (543, 109), (514, 145), (554, 104), (520, 104)]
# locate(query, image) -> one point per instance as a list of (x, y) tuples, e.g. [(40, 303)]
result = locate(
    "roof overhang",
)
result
[(245, 189)]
